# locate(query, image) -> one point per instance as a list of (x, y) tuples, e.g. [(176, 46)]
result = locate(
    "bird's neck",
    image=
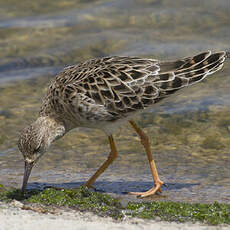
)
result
[(51, 128)]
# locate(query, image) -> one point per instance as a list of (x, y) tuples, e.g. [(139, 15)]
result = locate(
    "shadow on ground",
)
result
[(114, 187)]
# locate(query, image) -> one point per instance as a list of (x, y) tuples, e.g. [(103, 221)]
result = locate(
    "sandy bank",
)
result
[(14, 218)]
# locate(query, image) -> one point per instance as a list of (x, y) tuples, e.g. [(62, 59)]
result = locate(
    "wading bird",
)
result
[(104, 93)]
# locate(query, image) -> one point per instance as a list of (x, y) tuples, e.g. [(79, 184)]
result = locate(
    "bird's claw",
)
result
[(150, 192), (90, 186), (165, 185)]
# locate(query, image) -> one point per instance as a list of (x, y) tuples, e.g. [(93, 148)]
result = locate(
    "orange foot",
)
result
[(150, 192), (89, 186)]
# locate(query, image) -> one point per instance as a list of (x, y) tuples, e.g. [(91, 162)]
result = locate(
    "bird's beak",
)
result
[(27, 171)]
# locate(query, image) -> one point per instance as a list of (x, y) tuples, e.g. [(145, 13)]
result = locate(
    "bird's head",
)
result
[(35, 140)]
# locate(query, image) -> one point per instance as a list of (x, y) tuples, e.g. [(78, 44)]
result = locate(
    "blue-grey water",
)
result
[(190, 134)]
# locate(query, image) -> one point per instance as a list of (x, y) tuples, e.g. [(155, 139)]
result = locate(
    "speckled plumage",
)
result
[(102, 93), (112, 88)]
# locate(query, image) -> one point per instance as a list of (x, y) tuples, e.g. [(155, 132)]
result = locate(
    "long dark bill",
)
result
[(27, 171)]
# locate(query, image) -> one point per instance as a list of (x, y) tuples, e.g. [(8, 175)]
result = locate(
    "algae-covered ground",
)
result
[(82, 199)]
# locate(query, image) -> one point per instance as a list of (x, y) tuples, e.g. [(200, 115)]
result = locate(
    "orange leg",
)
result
[(145, 142), (112, 156)]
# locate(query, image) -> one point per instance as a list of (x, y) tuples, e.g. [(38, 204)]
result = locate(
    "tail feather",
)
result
[(201, 69), (207, 64), (192, 70), (194, 61)]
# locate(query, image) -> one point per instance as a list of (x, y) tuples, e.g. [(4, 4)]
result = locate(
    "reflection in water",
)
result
[(190, 135)]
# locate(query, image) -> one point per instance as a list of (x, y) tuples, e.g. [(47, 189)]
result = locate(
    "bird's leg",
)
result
[(112, 156), (145, 142)]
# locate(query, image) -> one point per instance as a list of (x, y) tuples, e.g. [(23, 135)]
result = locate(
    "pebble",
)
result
[(17, 204)]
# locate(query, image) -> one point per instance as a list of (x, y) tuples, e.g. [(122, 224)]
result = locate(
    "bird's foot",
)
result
[(90, 186), (150, 192)]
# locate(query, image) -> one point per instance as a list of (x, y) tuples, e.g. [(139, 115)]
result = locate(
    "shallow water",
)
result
[(190, 134)]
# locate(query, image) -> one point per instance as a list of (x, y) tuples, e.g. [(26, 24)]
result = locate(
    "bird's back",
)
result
[(111, 88)]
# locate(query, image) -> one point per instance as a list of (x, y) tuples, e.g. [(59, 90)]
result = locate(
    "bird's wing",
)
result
[(120, 84), (124, 84), (188, 71)]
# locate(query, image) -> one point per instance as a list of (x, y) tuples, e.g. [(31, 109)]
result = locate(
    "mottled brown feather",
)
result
[(118, 86)]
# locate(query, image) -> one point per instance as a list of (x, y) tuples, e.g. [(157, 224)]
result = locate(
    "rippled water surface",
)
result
[(190, 134)]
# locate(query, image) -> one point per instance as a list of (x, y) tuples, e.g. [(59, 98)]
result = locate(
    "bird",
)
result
[(104, 93)]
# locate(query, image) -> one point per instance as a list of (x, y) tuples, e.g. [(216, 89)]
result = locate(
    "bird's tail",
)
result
[(187, 71)]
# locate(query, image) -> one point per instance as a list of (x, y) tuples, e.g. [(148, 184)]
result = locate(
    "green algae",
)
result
[(214, 213), (81, 199), (104, 205)]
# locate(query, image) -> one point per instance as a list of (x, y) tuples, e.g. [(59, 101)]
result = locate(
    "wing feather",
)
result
[(117, 86)]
